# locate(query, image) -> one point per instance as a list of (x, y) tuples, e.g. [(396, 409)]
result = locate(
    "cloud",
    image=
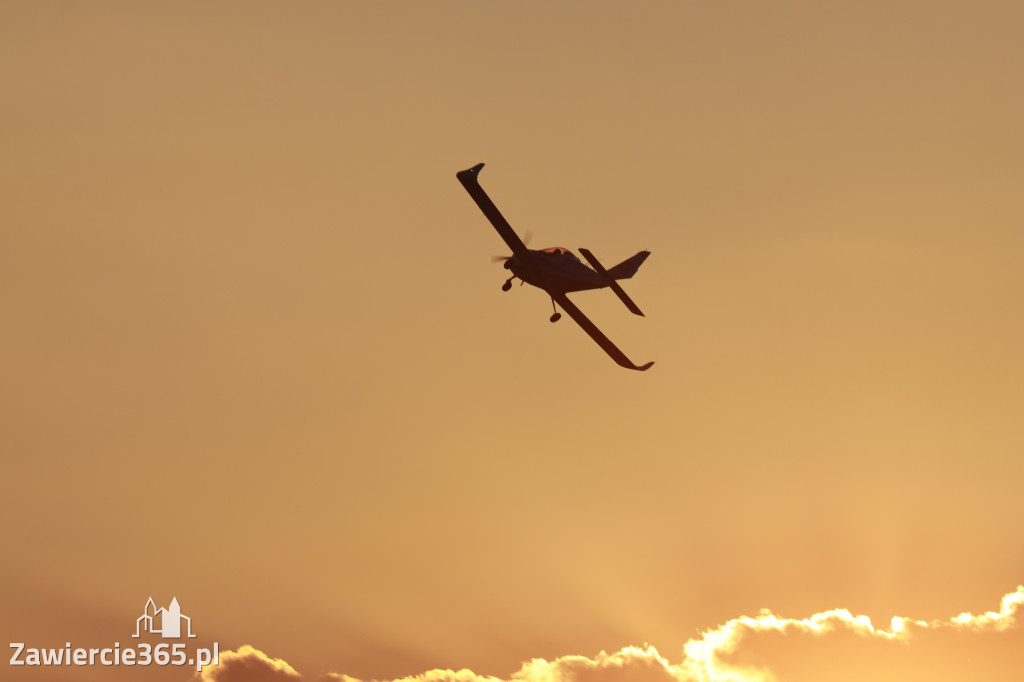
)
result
[(998, 620), (730, 653), (251, 665), (705, 658)]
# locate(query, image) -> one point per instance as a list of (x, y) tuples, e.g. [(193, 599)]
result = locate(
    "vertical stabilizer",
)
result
[(628, 267)]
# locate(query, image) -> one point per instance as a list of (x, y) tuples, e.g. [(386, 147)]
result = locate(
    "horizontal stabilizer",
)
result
[(610, 280)]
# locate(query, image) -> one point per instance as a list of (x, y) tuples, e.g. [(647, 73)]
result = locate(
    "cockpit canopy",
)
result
[(560, 251)]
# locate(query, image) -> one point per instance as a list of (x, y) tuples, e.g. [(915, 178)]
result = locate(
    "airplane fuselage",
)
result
[(554, 270)]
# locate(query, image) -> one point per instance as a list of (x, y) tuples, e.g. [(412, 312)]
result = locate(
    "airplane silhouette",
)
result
[(558, 271)]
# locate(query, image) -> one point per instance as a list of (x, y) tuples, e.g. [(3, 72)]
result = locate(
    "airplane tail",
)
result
[(628, 267)]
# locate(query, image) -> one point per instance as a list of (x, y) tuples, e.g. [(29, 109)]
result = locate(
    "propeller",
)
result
[(527, 238)]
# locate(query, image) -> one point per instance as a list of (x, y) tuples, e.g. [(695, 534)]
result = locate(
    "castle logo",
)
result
[(164, 622), (169, 620)]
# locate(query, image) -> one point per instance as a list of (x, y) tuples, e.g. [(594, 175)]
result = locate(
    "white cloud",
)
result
[(705, 659), (249, 664)]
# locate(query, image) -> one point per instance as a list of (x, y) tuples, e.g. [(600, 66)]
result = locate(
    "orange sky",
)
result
[(255, 356)]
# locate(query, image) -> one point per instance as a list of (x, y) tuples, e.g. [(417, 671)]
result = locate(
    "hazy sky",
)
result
[(254, 354)]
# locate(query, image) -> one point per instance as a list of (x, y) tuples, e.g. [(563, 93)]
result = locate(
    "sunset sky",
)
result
[(254, 354)]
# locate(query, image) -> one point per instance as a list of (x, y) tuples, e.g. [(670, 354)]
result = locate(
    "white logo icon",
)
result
[(170, 620)]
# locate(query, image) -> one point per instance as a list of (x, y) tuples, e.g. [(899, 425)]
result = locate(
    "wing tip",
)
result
[(475, 170), (624, 362)]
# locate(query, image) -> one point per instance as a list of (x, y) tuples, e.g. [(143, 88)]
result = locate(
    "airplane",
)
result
[(558, 271)]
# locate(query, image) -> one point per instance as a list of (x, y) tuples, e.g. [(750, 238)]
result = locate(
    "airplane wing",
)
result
[(471, 182), (595, 333)]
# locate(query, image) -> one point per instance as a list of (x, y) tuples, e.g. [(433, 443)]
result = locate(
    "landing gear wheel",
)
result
[(555, 315), (507, 285)]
